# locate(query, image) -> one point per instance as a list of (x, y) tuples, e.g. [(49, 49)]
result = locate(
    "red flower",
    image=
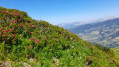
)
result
[(2, 27), (32, 38), (14, 22), (12, 13), (30, 47), (18, 19), (91, 56), (87, 58), (7, 12), (17, 14), (0, 32), (5, 31), (30, 24), (4, 35), (11, 29), (13, 34), (33, 25), (36, 41), (3, 11), (31, 32)]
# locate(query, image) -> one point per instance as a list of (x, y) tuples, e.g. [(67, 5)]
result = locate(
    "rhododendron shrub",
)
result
[(18, 23)]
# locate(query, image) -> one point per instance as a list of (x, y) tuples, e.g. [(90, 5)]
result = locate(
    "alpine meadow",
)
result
[(26, 42)]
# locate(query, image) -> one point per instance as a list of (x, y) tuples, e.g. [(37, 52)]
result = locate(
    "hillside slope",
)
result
[(116, 52), (105, 33), (27, 42)]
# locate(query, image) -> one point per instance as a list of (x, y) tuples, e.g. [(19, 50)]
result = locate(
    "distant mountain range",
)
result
[(70, 25), (76, 24), (104, 32)]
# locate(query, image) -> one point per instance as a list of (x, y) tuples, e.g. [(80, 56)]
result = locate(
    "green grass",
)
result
[(116, 52)]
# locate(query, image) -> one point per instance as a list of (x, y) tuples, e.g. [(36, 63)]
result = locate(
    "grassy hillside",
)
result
[(116, 52), (27, 42)]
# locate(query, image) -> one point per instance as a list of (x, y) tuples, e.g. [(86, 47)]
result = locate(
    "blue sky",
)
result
[(64, 11)]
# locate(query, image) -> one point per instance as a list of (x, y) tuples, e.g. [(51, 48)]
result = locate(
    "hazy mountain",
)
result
[(76, 24), (70, 25), (104, 32)]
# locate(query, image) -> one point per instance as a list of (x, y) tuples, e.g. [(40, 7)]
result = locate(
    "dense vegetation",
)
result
[(116, 52), (27, 42), (105, 33)]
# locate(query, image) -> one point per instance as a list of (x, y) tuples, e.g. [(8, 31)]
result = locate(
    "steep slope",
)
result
[(116, 52), (105, 33), (27, 42)]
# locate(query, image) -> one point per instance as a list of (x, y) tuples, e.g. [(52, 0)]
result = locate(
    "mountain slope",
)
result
[(105, 33), (116, 52), (27, 42)]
